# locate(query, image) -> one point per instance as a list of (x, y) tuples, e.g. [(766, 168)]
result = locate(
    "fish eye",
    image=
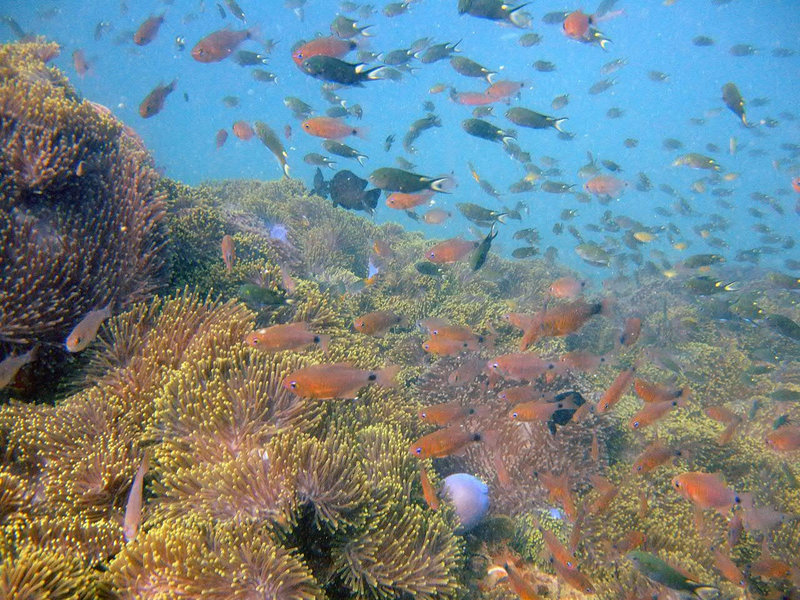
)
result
[(300, 55), (677, 484), (424, 415), (514, 415), (638, 467), (635, 424), (432, 255), (254, 341), (426, 346), (316, 339), (495, 366), (293, 385), (418, 450)]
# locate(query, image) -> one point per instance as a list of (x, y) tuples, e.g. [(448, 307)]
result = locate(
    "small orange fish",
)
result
[(443, 442), (382, 248), (579, 360), (652, 457), (148, 30), (523, 393), (450, 251), (557, 550), (466, 373), (652, 412), (630, 541), (654, 393), (473, 98), (721, 414), (504, 88), (81, 64), (133, 506), (728, 568), (288, 336), (378, 322), (446, 347), (521, 320), (243, 130), (574, 578), (785, 438), (446, 412), (605, 186), (521, 365), (706, 490), (796, 184), (576, 25), (594, 451), (330, 128), (11, 364), (616, 390), (322, 46), (431, 499), (405, 201), (86, 330), (228, 252), (606, 491), (436, 216), (329, 381), (219, 45), (559, 488), (536, 411), (566, 287), (519, 585), (154, 101), (220, 138), (562, 320), (727, 434), (631, 331)]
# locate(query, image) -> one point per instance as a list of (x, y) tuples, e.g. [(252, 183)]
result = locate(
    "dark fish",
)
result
[(321, 187), (417, 127), (525, 252), (743, 50), (601, 86), (263, 76), (245, 58), (397, 180), (271, 140), (562, 416), (154, 101), (316, 159), (349, 191), (530, 39), (479, 255), (529, 118), (734, 101), (426, 267), (494, 10), (784, 326), (703, 40), (544, 66), (485, 130), (438, 52), (236, 10), (328, 68), (469, 68), (387, 143), (343, 150), (703, 285), (479, 214), (347, 28)]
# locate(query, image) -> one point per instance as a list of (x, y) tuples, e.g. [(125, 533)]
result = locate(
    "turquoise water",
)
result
[(649, 36)]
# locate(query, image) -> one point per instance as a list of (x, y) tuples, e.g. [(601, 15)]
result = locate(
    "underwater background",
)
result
[(542, 354)]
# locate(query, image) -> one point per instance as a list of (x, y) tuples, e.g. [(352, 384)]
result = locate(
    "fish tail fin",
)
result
[(361, 158), (733, 286), (363, 31), (704, 591), (444, 184), (324, 342), (254, 33), (361, 132), (557, 127), (501, 218), (286, 170), (607, 306), (377, 72), (386, 377), (515, 18)]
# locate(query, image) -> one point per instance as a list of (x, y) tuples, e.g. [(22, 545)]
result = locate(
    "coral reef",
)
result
[(79, 212)]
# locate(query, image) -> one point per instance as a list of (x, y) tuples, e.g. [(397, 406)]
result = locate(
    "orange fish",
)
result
[(504, 89), (519, 585), (81, 64), (559, 488), (523, 393), (436, 216), (594, 451), (574, 578), (785, 438), (219, 45), (431, 499), (446, 347), (382, 248), (243, 130), (403, 201), (288, 336), (322, 46), (456, 332), (86, 330), (563, 320), (605, 185), (616, 390), (466, 373), (580, 360), (576, 25), (652, 412), (706, 490), (148, 30), (566, 287), (606, 491), (133, 506), (228, 252), (154, 101), (220, 138), (377, 322), (443, 442), (329, 381), (521, 320), (721, 414), (450, 251), (536, 410), (796, 184), (652, 392), (652, 457), (446, 412), (330, 128), (630, 541), (631, 331), (473, 98), (521, 365), (728, 568), (557, 550), (11, 364)]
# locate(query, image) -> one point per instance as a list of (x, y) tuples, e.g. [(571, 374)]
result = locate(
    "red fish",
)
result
[(220, 45), (431, 499), (220, 138), (576, 25), (559, 488), (566, 287), (228, 252), (562, 320), (796, 184), (557, 550), (605, 186), (322, 46), (504, 89), (154, 101), (473, 98), (631, 331), (377, 322), (288, 336), (574, 578), (443, 442), (450, 251), (329, 381), (785, 438), (652, 412), (404, 201), (706, 490), (148, 30), (579, 360), (330, 128), (616, 390), (521, 365), (243, 130), (81, 64)]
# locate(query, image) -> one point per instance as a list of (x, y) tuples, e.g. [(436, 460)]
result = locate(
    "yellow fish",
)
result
[(644, 236)]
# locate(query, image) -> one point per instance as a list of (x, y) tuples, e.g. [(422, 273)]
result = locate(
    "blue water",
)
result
[(651, 36)]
